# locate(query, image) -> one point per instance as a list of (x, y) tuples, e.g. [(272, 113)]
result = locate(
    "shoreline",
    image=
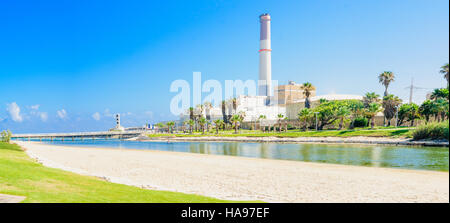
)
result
[(333, 140), (242, 178)]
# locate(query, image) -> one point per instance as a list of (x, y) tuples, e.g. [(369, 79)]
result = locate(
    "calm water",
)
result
[(427, 158)]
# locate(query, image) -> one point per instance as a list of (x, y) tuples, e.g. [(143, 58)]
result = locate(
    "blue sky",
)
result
[(61, 62)]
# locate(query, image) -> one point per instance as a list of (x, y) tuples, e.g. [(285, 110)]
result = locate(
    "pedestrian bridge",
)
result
[(82, 135)]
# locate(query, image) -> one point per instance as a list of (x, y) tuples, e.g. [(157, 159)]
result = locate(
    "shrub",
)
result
[(5, 136), (361, 122), (290, 127), (433, 130)]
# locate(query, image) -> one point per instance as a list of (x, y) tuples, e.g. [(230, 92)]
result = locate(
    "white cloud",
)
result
[(96, 116), (107, 113), (14, 111), (62, 114), (35, 107), (43, 116)]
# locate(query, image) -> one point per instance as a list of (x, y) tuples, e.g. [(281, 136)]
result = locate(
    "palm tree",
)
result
[(202, 122), (224, 112), (285, 124), (439, 93), (444, 70), (160, 126), (441, 107), (280, 117), (342, 113), (200, 109), (191, 113), (185, 123), (219, 123), (305, 116), (260, 118), (235, 119), (385, 79), (357, 109), (390, 105), (191, 124), (208, 107), (370, 97), (170, 126), (307, 88), (371, 111), (234, 101)]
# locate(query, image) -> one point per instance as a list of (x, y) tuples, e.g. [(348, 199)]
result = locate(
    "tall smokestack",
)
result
[(265, 51)]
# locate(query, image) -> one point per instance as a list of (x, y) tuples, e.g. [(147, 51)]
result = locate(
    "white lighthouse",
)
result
[(118, 126), (265, 52)]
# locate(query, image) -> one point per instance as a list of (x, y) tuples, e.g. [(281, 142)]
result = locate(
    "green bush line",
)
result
[(433, 130)]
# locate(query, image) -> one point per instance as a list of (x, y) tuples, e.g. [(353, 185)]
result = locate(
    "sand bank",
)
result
[(240, 178)]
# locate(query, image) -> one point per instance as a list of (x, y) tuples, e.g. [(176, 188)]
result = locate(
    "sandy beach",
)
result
[(240, 178)]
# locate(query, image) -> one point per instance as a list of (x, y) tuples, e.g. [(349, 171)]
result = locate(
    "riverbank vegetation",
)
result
[(389, 132), (22, 176), (433, 130)]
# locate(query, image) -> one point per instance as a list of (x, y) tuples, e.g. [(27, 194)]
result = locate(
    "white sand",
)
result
[(240, 178)]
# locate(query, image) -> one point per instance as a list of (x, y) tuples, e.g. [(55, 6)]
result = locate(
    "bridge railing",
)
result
[(80, 134)]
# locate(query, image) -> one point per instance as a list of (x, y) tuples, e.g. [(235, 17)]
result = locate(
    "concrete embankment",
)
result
[(355, 140)]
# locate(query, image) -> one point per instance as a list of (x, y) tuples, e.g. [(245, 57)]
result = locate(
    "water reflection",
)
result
[(428, 158)]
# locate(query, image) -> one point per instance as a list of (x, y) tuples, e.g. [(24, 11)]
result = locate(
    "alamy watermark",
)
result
[(213, 91)]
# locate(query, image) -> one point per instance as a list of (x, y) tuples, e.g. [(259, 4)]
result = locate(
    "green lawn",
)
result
[(400, 132), (20, 175)]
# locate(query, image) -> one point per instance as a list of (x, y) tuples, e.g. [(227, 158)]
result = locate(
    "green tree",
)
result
[(390, 106), (234, 103), (202, 122), (191, 124), (427, 110), (408, 112), (191, 113), (5, 136), (280, 117), (439, 93), (224, 112), (170, 126), (371, 111), (369, 98), (305, 116), (219, 123), (327, 112), (236, 120), (343, 114), (161, 126), (357, 111), (441, 106), (260, 118), (307, 88)]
